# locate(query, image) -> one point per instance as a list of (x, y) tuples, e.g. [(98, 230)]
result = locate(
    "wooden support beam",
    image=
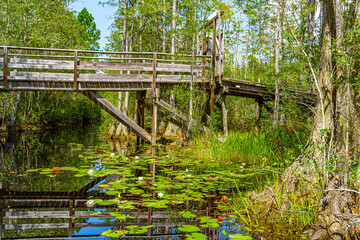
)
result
[(140, 114), (1, 216), (154, 110), (222, 91), (76, 72), (260, 105), (117, 114), (5, 68), (161, 113), (161, 103), (71, 219), (225, 117)]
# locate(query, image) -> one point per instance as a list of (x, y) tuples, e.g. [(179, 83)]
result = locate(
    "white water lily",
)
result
[(90, 203), (167, 156), (187, 170), (243, 164), (189, 175), (90, 172), (113, 154), (141, 178), (136, 157), (160, 194)]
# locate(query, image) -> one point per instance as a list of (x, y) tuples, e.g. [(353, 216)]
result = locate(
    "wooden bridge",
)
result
[(89, 72)]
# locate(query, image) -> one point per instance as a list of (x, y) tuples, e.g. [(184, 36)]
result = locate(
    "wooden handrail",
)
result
[(101, 52)]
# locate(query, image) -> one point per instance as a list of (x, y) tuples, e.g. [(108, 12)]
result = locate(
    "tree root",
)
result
[(336, 208)]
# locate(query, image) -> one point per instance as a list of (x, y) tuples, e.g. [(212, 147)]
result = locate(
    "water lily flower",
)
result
[(160, 194), (136, 157), (189, 175), (90, 172), (219, 218), (243, 164), (113, 154), (141, 178), (187, 170), (90, 203)]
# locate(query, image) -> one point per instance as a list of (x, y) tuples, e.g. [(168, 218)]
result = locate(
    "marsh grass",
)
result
[(274, 148)]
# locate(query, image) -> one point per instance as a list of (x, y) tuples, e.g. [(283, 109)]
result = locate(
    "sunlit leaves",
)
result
[(196, 236), (189, 228)]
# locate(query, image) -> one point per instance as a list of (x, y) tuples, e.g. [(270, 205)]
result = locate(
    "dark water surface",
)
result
[(72, 166)]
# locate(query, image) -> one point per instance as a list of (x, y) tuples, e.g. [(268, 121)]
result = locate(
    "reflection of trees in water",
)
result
[(46, 150)]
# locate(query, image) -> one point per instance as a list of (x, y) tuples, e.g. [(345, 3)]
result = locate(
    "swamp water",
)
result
[(74, 183)]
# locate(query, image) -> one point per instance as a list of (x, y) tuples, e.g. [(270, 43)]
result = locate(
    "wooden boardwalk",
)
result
[(90, 72)]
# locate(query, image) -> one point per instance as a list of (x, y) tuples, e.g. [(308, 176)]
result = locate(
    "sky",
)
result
[(102, 16)]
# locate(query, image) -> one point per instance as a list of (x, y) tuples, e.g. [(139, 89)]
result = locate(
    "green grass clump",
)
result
[(275, 148)]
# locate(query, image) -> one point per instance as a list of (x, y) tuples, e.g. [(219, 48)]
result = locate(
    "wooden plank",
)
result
[(139, 67), (39, 214), (40, 75), (38, 66), (137, 77), (35, 226), (5, 68), (121, 117), (39, 61), (115, 66)]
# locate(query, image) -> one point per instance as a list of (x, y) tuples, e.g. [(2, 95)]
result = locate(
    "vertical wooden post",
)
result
[(5, 68), (260, 103), (71, 220), (154, 113), (212, 94), (76, 61), (1, 216), (225, 116), (140, 95)]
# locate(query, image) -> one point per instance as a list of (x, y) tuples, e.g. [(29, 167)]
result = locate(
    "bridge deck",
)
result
[(78, 70)]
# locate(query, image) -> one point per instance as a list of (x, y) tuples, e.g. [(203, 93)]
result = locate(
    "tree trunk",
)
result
[(171, 128), (334, 140), (238, 39), (277, 50), (121, 128)]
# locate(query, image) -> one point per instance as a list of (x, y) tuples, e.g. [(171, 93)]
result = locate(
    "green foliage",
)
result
[(92, 33), (49, 24)]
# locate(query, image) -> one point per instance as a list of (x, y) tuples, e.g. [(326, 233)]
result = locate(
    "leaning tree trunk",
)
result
[(171, 129), (335, 135)]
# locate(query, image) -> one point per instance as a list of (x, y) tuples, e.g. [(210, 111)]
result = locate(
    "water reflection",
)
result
[(36, 206)]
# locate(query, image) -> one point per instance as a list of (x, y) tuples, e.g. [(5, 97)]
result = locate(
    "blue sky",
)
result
[(102, 16)]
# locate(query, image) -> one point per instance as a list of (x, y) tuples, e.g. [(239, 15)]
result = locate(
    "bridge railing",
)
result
[(25, 68)]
